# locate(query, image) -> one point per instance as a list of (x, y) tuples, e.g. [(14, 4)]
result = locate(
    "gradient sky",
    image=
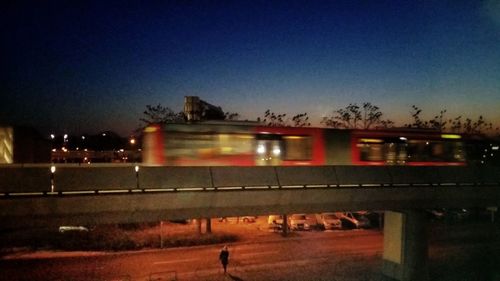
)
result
[(88, 66)]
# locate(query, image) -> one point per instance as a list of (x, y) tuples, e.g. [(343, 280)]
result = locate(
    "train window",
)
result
[(378, 150), (395, 153), (231, 144), (206, 145), (371, 152), (435, 151), (371, 149), (391, 153), (297, 148)]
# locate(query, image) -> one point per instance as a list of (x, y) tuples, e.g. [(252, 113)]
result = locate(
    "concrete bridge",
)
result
[(40, 195)]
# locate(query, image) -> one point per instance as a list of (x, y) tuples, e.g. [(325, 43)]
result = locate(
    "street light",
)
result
[(136, 168), (52, 171)]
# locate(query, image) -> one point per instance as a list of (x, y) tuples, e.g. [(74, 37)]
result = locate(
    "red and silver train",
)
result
[(227, 144)]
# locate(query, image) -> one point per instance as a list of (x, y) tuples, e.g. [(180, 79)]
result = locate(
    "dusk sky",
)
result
[(88, 66)]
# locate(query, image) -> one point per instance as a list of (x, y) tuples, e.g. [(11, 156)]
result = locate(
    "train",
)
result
[(252, 144)]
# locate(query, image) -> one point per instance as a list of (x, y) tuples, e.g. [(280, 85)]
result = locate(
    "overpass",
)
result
[(41, 195), (38, 195)]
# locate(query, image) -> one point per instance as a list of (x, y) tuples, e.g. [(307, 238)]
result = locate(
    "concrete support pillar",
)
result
[(406, 245), (284, 225), (209, 226)]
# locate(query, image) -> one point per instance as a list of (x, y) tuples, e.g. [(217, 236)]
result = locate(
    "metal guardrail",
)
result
[(61, 179)]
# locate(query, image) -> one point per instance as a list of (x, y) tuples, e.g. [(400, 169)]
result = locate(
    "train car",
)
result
[(250, 144), (407, 147)]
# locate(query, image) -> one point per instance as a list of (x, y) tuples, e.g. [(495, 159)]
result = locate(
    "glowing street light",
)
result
[(52, 171)]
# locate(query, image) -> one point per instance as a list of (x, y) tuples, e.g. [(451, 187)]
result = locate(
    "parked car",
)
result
[(275, 222), (275, 219), (245, 219), (354, 220), (449, 215), (436, 214), (248, 219), (299, 222), (457, 214), (72, 228), (330, 221), (376, 218), (363, 219)]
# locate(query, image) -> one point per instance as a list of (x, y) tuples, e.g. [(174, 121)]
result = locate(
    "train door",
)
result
[(269, 150), (395, 153)]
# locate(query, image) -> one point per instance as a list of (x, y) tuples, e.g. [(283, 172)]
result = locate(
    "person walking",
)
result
[(224, 258)]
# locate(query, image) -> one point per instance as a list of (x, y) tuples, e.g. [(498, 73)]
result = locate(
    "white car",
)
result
[(299, 222), (355, 220), (330, 221), (245, 219), (275, 219), (71, 228), (275, 222)]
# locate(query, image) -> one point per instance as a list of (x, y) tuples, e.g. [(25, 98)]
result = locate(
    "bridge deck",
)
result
[(33, 196), (19, 179)]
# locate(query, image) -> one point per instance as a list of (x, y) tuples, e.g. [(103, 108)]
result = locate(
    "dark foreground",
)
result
[(457, 252)]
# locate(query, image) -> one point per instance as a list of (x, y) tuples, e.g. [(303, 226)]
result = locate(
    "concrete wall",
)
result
[(119, 194)]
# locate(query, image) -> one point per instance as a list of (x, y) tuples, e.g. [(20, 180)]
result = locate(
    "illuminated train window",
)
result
[(400, 152), (207, 145), (371, 150)]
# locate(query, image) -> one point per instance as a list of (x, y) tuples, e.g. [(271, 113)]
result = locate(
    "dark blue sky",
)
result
[(86, 66)]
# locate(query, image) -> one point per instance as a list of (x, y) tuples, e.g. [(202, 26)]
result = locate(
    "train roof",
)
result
[(246, 124)]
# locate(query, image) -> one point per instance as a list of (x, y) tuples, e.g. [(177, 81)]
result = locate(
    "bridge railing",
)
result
[(103, 178)]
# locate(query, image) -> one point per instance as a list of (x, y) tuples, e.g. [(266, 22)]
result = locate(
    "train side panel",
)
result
[(199, 145), (153, 151)]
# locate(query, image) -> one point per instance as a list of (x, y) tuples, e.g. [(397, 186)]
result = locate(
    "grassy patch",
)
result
[(117, 238)]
